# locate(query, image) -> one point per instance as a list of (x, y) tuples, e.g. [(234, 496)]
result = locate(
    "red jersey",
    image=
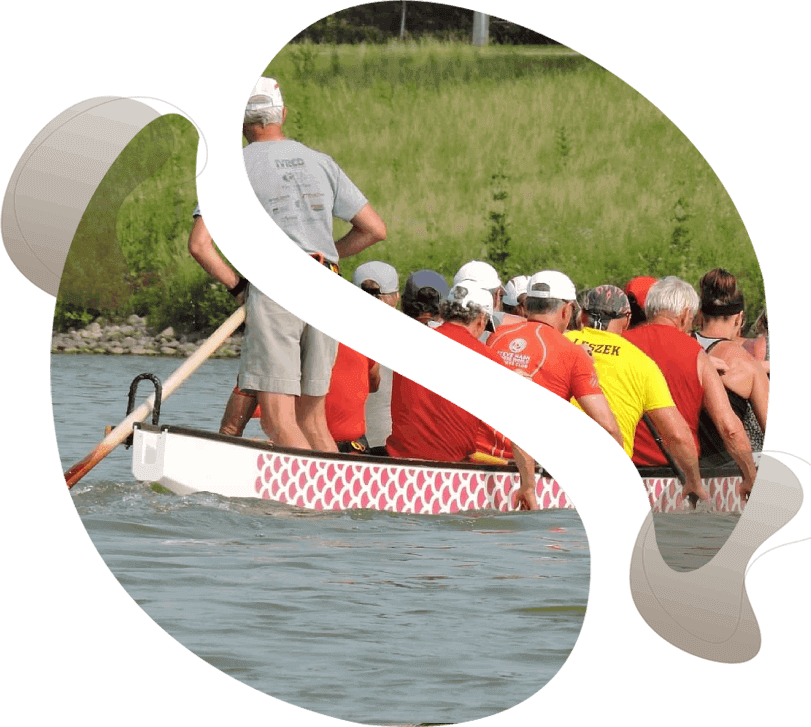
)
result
[(493, 442), (676, 354), (550, 359), (424, 425), (348, 391)]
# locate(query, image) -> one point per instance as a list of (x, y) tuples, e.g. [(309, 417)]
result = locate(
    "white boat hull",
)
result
[(187, 461)]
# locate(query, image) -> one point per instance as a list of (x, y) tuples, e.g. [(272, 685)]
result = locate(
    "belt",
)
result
[(319, 257)]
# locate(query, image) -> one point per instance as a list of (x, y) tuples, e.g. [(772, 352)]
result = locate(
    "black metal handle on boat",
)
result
[(156, 408)]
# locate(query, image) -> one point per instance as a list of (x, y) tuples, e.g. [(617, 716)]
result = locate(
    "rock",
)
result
[(134, 338)]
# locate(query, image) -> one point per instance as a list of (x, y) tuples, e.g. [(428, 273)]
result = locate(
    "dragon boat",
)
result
[(186, 460)]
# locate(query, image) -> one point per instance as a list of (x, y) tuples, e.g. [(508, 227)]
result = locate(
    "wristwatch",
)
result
[(242, 283)]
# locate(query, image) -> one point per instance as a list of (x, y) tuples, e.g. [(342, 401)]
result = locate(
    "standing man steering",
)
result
[(285, 361)]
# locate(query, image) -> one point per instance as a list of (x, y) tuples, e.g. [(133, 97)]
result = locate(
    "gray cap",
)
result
[(383, 275)]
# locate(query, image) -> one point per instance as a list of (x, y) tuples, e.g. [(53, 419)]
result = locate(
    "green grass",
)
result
[(589, 177), (599, 183)]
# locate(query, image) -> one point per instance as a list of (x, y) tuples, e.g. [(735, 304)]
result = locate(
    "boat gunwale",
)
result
[(708, 470)]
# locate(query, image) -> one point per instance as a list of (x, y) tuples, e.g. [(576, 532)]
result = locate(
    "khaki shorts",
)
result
[(281, 353)]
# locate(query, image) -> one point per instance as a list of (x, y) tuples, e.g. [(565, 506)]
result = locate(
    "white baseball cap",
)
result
[(379, 272), (469, 291), (551, 284), (483, 273), (516, 287), (266, 94)]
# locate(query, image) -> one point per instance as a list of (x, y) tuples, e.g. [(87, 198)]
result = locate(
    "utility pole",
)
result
[(402, 22), (481, 28)]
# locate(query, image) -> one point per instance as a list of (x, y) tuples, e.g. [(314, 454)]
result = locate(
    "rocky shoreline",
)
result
[(135, 338)]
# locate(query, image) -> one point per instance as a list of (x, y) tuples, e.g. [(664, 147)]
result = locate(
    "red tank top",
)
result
[(676, 354), (348, 390)]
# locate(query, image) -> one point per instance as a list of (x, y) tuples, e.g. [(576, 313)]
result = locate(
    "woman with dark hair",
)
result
[(424, 290), (746, 382)]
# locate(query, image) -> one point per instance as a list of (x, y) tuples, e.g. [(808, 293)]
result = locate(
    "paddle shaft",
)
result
[(124, 429), (676, 469)]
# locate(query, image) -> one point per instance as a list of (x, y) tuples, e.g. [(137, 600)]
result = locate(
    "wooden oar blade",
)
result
[(80, 469), (109, 443)]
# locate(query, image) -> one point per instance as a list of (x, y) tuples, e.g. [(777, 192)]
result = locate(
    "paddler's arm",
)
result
[(374, 377), (759, 398), (678, 441), (367, 229), (201, 248), (525, 497)]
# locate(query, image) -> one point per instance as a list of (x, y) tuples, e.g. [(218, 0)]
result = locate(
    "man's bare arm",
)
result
[(367, 229), (374, 377), (525, 498), (201, 248), (678, 441)]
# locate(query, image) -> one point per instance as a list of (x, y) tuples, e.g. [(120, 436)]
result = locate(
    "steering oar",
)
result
[(124, 429)]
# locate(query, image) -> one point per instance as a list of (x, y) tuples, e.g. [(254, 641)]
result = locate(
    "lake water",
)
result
[(371, 617)]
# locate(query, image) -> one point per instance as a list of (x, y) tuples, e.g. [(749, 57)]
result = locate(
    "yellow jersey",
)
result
[(631, 381)]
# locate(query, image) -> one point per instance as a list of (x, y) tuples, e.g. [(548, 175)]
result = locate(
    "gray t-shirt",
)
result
[(302, 190)]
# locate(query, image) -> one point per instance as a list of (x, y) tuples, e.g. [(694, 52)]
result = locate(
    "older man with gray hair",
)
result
[(286, 362), (633, 383), (670, 307)]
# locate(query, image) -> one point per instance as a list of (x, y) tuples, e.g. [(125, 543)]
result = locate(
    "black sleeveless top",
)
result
[(712, 444)]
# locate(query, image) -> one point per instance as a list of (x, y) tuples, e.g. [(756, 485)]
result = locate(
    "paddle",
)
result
[(676, 469), (124, 429), (482, 458)]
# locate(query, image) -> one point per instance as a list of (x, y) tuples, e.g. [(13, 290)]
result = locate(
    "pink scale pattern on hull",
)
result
[(319, 484)]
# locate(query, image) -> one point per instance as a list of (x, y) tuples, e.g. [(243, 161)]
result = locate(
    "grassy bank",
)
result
[(532, 157)]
